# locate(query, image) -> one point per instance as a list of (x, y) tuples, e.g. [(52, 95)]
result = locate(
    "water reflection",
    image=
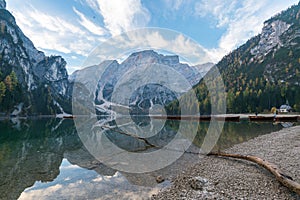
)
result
[(31, 152), (75, 182), (45, 158), (40, 153)]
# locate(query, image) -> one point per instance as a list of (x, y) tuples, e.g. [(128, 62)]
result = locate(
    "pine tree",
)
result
[(2, 90)]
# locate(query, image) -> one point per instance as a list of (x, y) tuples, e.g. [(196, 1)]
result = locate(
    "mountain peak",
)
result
[(150, 56), (2, 4), (145, 52)]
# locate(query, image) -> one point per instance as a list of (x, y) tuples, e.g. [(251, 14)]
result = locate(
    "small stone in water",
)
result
[(160, 179)]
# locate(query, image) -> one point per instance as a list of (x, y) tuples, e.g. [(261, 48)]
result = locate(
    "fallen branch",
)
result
[(280, 176), (131, 135)]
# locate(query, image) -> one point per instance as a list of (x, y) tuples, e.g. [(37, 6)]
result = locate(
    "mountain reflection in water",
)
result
[(45, 159)]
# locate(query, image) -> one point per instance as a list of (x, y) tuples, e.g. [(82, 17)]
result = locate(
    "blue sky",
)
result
[(73, 28)]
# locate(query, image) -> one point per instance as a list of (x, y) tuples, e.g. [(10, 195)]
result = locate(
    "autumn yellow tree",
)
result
[(2, 90)]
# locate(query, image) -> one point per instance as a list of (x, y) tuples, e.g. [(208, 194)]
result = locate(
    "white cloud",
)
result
[(90, 26), (91, 186), (149, 38), (221, 10), (50, 32), (241, 19), (73, 68), (120, 15), (92, 3), (37, 194), (175, 4), (77, 35)]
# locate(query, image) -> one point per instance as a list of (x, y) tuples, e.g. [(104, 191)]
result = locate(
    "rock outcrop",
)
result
[(43, 80)]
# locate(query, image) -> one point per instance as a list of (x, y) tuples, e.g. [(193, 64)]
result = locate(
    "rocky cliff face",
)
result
[(277, 49), (39, 76), (270, 38), (118, 79)]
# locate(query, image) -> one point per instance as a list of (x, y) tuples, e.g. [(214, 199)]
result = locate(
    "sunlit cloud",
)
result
[(90, 26), (34, 194), (76, 34), (120, 16), (55, 33), (162, 40), (89, 187), (79, 35)]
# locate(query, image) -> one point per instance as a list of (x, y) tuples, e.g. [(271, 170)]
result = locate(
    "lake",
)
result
[(45, 158)]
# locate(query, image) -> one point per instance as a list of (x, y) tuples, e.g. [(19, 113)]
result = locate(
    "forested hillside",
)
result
[(265, 71)]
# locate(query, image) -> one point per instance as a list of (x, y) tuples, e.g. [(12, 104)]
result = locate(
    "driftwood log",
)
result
[(131, 135), (280, 176)]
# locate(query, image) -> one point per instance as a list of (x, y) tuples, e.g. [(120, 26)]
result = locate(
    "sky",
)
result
[(73, 28)]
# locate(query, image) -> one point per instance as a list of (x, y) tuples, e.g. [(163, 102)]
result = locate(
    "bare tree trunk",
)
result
[(280, 176)]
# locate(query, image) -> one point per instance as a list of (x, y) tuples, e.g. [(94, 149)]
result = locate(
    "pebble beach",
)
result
[(226, 178)]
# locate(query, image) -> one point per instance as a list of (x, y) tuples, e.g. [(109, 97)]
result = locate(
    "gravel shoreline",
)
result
[(225, 178)]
